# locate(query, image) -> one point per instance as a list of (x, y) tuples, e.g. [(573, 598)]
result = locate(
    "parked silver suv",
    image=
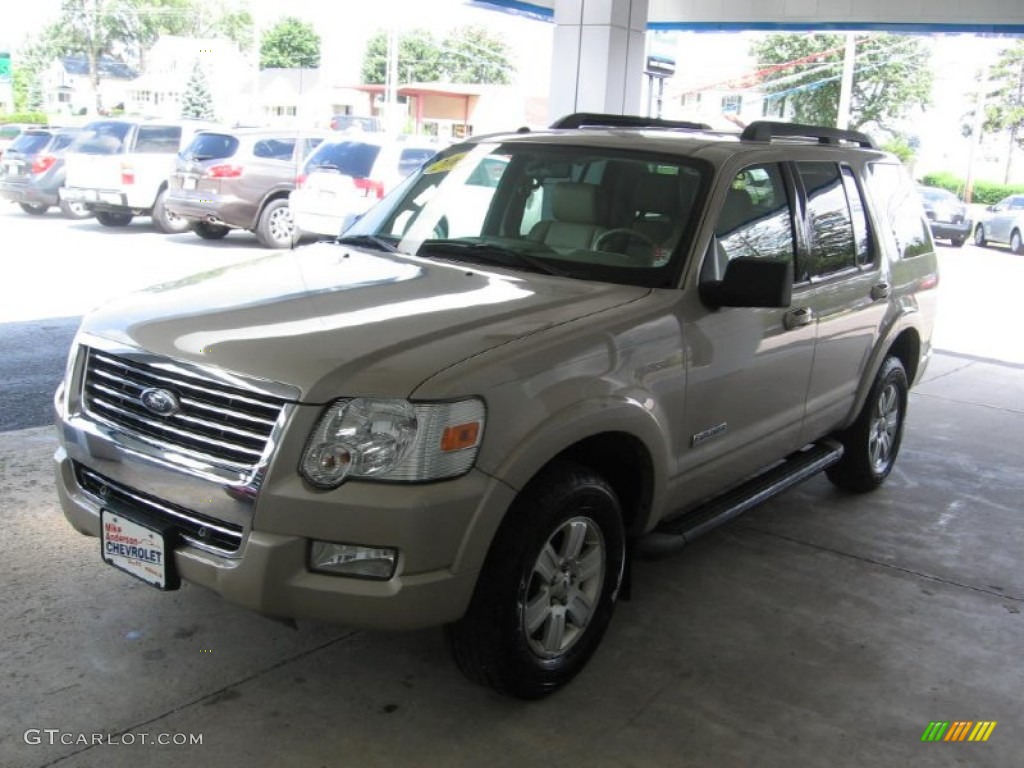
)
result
[(544, 351)]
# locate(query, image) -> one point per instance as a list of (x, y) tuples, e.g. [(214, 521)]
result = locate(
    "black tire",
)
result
[(74, 210), (979, 236), (276, 227), (559, 555), (34, 208), (110, 219), (958, 242), (872, 443), (164, 220), (209, 231), (1016, 245)]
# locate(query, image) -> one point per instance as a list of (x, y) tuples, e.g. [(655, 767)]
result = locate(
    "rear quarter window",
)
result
[(274, 149), (900, 209)]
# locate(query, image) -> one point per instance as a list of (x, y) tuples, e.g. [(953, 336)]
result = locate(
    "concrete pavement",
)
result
[(819, 629)]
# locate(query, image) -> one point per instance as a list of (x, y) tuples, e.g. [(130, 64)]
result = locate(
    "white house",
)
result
[(67, 89), (169, 63)]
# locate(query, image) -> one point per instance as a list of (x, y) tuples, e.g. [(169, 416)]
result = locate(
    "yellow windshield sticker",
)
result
[(445, 164)]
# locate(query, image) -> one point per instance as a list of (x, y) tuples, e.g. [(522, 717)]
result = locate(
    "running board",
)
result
[(672, 535)]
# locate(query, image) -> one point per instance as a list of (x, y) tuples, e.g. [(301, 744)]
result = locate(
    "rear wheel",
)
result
[(35, 209), (1015, 242), (110, 219), (548, 588), (873, 442), (74, 210), (209, 231), (165, 221), (276, 227), (979, 236)]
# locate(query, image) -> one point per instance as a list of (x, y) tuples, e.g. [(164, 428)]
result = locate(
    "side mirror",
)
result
[(751, 282)]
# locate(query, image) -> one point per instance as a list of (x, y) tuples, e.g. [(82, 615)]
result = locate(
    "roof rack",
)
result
[(766, 130), (598, 120)]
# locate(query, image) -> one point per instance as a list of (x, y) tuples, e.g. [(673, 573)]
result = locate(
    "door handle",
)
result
[(881, 291), (799, 317)]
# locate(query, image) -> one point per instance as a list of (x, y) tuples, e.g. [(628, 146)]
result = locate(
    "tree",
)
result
[(290, 43), (197, 100), (465, 55), (891, 76), (1004, 110)]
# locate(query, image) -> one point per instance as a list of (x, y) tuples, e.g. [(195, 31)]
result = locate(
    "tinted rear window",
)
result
[(211, 146), (102, 138), (352, 158), (411, 159), (30, 143), (62, 141)]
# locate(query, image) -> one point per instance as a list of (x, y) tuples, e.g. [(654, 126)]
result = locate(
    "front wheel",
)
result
[(276, 227), (165, 221), (873, 442), (548, 588), (33, 208), (110, 219), (979, 236), (1015, 242)]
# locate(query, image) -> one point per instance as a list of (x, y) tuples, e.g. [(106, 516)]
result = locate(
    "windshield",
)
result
[(624, 217), (106, 137), (936, 195)]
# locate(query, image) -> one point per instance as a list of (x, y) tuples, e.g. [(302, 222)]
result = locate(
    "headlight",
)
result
[(393, 440)]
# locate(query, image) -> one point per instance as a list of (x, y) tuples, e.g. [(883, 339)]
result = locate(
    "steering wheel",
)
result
[(627, 236)]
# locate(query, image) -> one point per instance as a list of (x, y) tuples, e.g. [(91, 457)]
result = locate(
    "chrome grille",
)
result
[(196, 528), (215, 423)]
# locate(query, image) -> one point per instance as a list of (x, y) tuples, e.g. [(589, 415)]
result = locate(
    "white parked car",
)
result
[(343, 177), (118, 169)]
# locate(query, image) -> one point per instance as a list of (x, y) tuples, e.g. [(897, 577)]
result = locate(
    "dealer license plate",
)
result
[(137, 549)]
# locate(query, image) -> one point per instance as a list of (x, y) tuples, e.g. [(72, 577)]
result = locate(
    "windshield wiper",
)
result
[(369, 241), (489, 254)]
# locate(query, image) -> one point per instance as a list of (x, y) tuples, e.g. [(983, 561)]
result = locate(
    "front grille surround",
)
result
[(217, 424)]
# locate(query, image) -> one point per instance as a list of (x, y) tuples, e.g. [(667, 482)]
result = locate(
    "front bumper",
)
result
[(433, 526)]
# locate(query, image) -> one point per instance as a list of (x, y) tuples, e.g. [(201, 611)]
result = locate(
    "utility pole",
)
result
[(846, 82), (976, 127)]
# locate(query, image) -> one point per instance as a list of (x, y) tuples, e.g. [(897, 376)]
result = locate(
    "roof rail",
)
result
[(598, 120), (766, 130)]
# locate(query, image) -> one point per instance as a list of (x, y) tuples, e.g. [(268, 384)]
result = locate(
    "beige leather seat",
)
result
[(575, 208)]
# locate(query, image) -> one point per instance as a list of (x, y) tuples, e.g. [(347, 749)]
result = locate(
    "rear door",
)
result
[(851, 295)]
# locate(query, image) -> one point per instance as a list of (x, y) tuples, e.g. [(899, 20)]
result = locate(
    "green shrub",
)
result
[(39, 118), (985, 192)]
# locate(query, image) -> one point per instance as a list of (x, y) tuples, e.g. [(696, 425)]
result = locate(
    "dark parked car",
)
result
[(240, 179), (947, 215), (32, 170)]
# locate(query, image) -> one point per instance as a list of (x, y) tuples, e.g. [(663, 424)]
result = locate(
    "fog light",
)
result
[(353, 560)]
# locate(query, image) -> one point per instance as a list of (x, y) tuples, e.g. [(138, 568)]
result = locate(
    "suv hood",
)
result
[(339, 321)]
